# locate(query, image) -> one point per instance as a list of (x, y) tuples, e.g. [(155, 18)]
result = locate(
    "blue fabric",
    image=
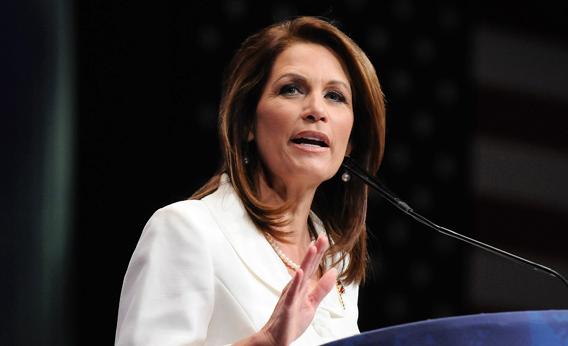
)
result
[(526, 328)]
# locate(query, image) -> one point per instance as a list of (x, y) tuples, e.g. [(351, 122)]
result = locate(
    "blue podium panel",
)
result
[(534, 328)]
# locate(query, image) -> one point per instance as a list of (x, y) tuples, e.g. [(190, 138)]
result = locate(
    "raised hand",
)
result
[(298, 303)]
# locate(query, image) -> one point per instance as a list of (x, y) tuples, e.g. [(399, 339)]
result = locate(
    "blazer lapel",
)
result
[(243, 235), (251, 246)]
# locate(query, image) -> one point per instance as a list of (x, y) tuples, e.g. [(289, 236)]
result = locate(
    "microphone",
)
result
[(350, 165)]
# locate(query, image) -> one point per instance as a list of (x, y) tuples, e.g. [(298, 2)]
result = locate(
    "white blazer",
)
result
[(202, 274)]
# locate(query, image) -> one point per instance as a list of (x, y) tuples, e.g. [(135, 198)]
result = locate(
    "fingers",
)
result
[(296, 307), (308, 260), (313, 258), (325, 284), (294, 287), (312, 261)]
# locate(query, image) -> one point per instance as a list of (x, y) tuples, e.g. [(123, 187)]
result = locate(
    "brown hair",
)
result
[(342, 207)]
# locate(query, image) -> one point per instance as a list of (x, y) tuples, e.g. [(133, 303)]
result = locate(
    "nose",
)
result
[(314, 109)]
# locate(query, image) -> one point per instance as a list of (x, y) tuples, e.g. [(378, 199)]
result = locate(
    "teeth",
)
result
[(310, 141)]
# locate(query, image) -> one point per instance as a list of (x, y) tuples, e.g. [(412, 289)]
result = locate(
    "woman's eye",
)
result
[(336, 96), (289, 90)]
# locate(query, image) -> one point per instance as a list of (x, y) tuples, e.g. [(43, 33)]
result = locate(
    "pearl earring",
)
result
[(345, 176)]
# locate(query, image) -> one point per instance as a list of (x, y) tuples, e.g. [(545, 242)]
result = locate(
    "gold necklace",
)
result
[(294, 266)]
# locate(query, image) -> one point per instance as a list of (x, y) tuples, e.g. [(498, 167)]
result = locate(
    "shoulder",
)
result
[(182, 211), (176, 226), (191, 212), (190, 218), (179, 214)]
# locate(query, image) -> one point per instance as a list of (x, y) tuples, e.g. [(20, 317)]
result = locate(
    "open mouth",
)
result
[(310, 141)]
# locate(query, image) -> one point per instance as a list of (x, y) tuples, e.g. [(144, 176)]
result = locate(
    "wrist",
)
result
[(264, 338), (260, 338)]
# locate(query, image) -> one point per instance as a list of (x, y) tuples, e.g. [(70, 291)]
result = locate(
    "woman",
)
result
[(272, 249)]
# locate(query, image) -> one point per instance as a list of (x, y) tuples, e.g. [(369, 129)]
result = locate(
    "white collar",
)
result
[(252, 247)]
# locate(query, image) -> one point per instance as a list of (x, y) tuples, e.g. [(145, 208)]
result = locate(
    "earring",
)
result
[(345, 176), (246, 158)]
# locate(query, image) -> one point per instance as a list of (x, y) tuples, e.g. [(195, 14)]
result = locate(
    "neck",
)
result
[(299, 200)]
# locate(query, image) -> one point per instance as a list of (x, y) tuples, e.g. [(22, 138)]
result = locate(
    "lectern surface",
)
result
[(525, 328)]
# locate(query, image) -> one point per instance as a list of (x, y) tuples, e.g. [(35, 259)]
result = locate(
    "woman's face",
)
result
[(304, 116)]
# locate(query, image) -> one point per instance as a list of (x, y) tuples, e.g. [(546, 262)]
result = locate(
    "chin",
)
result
[(317, 175), (308, 171)]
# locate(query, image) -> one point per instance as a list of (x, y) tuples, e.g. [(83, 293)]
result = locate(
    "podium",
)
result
[(524, 328)]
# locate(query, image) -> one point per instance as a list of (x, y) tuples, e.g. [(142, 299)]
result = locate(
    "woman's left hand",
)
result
[(298, 303)]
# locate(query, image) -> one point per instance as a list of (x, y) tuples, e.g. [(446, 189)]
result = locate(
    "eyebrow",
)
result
[(297, 76)]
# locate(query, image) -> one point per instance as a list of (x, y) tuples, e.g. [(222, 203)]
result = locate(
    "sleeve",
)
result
[(168, 291)]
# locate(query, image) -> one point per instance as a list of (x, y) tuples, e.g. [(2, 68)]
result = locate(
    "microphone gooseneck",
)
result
[(350, 165)]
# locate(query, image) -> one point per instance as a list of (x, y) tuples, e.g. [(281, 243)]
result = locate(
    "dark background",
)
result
[(109, 112)]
